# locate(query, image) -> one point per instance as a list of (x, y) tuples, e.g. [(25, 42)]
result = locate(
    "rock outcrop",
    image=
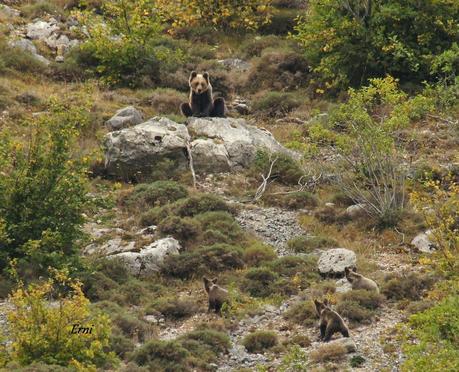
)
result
[(423, 243), (124, 118), (27, 46), (334, 261), (149, 259), (216, 145)]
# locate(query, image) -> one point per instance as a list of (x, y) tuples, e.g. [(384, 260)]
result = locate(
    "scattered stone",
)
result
[(356, 210), (148, 231), (149, 259), (235, 64), (423, 243), (40, 30), (124, 118), (334, 261), (329, 205), (112, 246), (28, 46)]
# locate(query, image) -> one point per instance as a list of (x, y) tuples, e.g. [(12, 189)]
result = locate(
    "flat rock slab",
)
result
[(334, 261)]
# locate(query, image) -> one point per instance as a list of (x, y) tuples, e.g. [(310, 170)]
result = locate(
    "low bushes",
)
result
[(276, 104), (359, 305), (307, 244), (173, 308), (293, 200), (303, 313), (163, 356), (259, 341), (410, 286)]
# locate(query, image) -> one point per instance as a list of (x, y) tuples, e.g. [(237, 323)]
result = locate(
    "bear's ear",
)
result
[(193, 74), (346, 270), (354, 269), (205, 75), (318, 305), (206, 284), (214, 280), (326, 303)]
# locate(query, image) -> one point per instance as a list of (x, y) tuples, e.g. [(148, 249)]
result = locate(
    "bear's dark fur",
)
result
[(330, 321), (201, 102)]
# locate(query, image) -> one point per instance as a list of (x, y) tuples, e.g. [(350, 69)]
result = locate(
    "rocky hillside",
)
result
[(114, 206)]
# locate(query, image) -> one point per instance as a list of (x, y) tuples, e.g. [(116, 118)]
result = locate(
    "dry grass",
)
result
[(328, 352)]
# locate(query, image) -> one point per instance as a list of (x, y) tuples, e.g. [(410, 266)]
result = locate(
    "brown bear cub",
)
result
[(201, 102), (330, 321), (358, 281), (217, 295)]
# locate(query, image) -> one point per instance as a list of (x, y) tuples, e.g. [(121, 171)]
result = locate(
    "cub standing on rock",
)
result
[(201, 102), (358, 281), (217, 295), (330, 321)]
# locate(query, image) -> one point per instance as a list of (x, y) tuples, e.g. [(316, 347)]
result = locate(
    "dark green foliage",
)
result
[(285, 169), (350, 45), (259, 282), (303, 313), (290, 266), (259, 341), (182, 229), (206, 260), (162, 355), (307, 244), (410, 286), (43, 191), (154, 215), (294, 200), (253, 47), (359, 305), (173, 308), (258, 254), (155, 194), (357, 361), (221, 223), (16, 59), (37, 367), (219, 342), (282, 22), (276, 104), (200, 204), (121, 345)]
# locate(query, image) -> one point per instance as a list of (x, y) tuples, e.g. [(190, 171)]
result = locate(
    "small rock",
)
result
[(343, 286), (329, 205), (235, 63), (40, 30), (126, 117), (28, 46), (334, 261), (356, 210), (423, 243), (113, 246)]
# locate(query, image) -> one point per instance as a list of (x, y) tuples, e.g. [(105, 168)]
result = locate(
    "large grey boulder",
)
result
[(334, 261), (356, 210), (112, 246), (40, 30), (8, 11), (138, 150), (423, 243), (27, 46), (124, 118), (216, 144), (149, 259), (240, 140)]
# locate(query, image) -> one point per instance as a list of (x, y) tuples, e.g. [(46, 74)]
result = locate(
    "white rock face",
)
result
[(334, 261), (28, 46), (40, 30), (110, 247), (217, 145), (235, 64), (423, 243), (149, 259), (343, 286), (138, 149), (124, 118)]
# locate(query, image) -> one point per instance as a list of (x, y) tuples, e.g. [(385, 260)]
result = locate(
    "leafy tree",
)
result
[(43, 190), (226, 14), (125, 44), (349, 41), (41, 331)]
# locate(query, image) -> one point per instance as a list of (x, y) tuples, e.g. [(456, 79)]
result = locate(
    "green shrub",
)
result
[(253, 47), (198, 204), (182, 229), (435, 331), (290, 266), (43, 191), (162, 355), (259, 341), (276, 104), (307, 244), (219, 342), (359, 305), (354, 311), (121, 345), (368, 299), (173, 308), (155, 194), (221, 222), (13, 58), (348, 45), (258, 254), (40, 8), (278, 70), (206, 260), (154, 216), (294, 200), (37, 367), (259, 282), (285, 169), (410, 286), (282, 22), (303, 313), (166, 100)]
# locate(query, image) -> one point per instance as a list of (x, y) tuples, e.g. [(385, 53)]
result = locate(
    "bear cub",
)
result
[(201, 102), (330, 321), (358, 281), (217, 295)]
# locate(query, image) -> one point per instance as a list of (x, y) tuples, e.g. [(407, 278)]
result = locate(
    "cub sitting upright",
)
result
[(217, 295), (201, 102), (358, 281), (330, 321)]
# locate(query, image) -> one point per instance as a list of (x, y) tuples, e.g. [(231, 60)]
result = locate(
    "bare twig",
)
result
[(262, 188), (190, 160)]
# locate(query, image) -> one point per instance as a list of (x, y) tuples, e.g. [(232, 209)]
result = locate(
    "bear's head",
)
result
[(351, 274), (199, 83)]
